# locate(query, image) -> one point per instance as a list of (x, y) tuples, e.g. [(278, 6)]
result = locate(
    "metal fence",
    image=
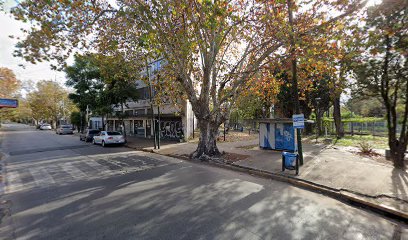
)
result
[(377, 128)]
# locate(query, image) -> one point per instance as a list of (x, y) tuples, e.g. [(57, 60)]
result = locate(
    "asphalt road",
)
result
[(60, 188)]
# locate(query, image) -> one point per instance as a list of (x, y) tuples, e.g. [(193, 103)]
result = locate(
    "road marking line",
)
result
[(73, 171), (14, 182), (98, 167), (41, 177)]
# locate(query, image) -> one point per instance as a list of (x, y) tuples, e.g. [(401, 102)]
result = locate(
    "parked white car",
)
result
[(108, 138), (45, 126), (64, 129)]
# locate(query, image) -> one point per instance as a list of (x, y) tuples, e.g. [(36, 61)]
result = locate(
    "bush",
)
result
[(366, 147)]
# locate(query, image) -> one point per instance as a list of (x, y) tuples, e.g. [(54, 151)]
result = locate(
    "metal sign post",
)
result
[(299, 123)]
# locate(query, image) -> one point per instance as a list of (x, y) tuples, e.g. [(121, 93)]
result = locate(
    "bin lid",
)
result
[(289, 154)]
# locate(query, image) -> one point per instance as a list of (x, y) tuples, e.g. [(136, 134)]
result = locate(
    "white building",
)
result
[(175, 122)]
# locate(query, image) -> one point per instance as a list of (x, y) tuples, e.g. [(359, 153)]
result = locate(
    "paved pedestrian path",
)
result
[(332, 167)]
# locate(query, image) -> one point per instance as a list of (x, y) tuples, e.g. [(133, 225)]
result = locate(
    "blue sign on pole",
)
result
[(8, 103), (298, 121)]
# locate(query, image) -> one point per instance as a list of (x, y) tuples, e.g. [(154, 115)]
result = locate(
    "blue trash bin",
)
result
[(289, 160)]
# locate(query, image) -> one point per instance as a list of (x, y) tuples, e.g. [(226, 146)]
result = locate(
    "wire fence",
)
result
[(372, 126)]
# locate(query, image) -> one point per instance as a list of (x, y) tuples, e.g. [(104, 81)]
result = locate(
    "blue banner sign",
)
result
[(298, 121), (8, 103)]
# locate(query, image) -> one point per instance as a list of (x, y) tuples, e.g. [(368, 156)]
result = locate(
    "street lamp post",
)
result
[(151, 103), (317, 117)]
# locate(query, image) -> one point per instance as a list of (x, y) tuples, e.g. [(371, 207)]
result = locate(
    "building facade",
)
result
[(172, 122)]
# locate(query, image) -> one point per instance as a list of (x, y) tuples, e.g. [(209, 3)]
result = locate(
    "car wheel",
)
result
[(93, 141), (103, 144)]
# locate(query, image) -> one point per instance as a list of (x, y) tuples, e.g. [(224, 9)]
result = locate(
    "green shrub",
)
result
[(365, 147)]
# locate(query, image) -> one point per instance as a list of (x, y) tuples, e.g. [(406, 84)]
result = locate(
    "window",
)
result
[(113, 133), (143, 93)]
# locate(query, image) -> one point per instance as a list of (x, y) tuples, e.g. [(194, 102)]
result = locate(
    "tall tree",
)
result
[(102, 82), (9, 88), (212, 47), (119, 76), (384, 69), (50, 102), (85, 78), (9, 85)]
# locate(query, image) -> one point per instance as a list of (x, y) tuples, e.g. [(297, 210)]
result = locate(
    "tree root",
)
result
[(207, 158)]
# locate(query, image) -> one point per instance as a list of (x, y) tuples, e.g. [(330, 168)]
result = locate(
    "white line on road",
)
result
[(73, 171), (41, 177), (14, 182), (98, 167)]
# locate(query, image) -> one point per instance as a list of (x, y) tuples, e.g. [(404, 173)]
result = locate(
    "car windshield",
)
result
[(66, 127), (113, 133), (94, 131), (46, 125)]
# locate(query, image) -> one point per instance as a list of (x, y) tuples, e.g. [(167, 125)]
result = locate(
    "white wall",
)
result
[(188, 120)]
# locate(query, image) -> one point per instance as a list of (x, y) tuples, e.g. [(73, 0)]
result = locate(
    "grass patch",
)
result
[(352, 141)]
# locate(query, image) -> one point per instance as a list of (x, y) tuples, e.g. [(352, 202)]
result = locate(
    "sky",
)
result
[(31, 72)]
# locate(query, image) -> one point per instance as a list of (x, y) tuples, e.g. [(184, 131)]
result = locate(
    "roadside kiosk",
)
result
[(277, 134), (280, 134)]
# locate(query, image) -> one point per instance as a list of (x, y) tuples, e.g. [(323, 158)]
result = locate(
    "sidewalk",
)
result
[(336, 169), (139, 143)]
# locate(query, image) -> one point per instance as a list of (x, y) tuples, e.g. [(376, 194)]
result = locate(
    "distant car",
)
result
[(109, 138), (45, 126), (88, 135), (64, 129)]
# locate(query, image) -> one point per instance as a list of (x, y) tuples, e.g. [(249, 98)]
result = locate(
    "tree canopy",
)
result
[(213, 48)]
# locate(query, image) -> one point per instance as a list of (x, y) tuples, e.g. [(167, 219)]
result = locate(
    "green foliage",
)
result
[(76, 119), (383, 69), (101, 82), (50, 102), (354, 141), (249, 107), (85, 78), (365, 147), (357, 119), (366, 106)]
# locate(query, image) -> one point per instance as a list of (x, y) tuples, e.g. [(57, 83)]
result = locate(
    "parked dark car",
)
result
[(88, 135)]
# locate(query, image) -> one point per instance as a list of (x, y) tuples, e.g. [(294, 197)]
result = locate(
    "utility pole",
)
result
[(158, 119), (295, 92), (151, 103), (158, 127), (87, 116), (317, 118)]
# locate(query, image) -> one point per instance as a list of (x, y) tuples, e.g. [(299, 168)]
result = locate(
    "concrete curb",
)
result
[(307, 185), (3, 156), (2, 174)]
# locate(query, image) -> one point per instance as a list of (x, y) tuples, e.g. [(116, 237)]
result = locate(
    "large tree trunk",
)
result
[(397, 152), (207, 145), (337, 117)]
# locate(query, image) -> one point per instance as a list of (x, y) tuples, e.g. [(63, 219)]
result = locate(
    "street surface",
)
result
[(58, 187)]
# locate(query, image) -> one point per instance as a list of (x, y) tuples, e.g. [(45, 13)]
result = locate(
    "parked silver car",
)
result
[(45, 126), (64, 129), (108, 138)]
